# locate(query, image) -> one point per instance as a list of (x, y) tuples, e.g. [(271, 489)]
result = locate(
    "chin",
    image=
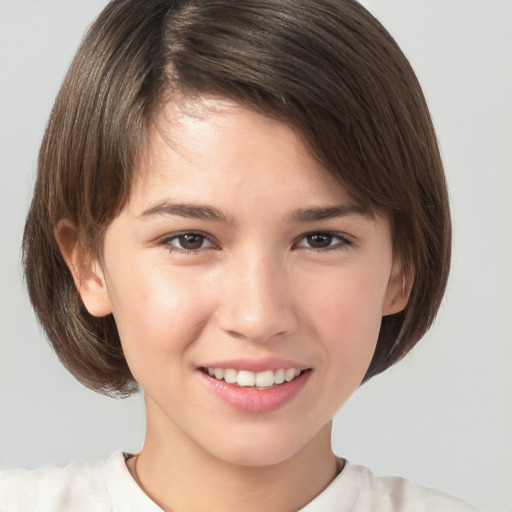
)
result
[(256, 457), (259, 449)]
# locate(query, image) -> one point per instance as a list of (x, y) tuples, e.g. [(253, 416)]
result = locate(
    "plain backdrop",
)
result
[(442, 417)]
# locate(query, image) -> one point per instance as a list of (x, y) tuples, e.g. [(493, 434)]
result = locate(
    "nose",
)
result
[(258, 301)]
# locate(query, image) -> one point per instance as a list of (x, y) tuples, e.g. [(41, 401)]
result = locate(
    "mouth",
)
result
[(255, 380), (255, 387)]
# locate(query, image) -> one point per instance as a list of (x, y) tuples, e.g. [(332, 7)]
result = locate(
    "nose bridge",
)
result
[(257, 304)]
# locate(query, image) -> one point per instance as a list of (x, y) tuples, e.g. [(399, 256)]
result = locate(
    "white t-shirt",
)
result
[(109, 487)]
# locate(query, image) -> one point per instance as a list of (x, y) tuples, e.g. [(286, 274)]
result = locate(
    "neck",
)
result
[(180, 476)]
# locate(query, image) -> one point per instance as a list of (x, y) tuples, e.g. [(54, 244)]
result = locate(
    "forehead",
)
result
[(205, 145)]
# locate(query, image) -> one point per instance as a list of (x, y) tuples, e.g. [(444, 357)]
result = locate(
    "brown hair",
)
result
[(326, 67)]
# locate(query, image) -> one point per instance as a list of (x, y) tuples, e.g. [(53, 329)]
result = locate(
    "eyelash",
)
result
[(168, 242), (343, 242)]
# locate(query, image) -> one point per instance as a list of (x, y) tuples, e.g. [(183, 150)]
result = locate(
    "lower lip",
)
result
[(256, 401)]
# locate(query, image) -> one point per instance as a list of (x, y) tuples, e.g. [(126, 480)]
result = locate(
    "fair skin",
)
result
[(238, 252)]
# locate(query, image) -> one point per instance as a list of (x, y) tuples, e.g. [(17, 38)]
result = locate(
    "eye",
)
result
[(188, 242), (321, 241)]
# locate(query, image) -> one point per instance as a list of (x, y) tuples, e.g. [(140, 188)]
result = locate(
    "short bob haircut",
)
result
[(327, 68)]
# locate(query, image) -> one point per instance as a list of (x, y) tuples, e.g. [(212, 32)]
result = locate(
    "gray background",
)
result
[(443, 416)]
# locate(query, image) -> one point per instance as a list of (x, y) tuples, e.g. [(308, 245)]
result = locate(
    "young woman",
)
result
[(241, 210)]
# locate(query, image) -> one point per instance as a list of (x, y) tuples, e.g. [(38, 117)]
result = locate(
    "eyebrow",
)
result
[(205, 212), (190, 211), (330, 212)]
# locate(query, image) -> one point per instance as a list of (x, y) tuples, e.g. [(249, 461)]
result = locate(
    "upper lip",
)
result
[(256, 365)]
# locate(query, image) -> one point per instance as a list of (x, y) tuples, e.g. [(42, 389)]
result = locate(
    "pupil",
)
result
[(319, 241), (191, 241)]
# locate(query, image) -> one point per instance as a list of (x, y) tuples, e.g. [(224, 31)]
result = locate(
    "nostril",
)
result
[(237, 335)]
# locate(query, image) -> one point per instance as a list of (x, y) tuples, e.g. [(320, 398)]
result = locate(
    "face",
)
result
[(247, 286)]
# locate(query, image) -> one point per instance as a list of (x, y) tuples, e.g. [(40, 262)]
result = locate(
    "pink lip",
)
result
[(256, 365), (252, 400)]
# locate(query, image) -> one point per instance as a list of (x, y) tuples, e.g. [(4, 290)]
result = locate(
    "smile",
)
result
[(254, 392), (258, 380)]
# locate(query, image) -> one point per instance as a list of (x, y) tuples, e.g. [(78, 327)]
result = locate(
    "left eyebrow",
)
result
[(329, 212)]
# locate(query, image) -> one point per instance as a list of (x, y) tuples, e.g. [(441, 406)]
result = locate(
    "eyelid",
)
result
[(167, 239), (345, 240)]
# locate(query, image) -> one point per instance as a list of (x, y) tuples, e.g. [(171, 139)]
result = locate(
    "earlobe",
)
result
[(87, 273), (398, 290)]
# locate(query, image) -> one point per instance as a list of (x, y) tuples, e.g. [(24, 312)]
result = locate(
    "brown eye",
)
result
[(319, 240), (188, 242), (191, 242)]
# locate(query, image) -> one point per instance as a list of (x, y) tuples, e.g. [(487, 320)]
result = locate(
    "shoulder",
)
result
[(357, 489), (399, 494), (78, 487)]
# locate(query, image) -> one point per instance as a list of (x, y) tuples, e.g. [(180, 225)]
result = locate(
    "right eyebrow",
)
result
[(190, 211)]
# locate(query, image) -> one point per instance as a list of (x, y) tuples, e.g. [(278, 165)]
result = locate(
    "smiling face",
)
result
[(247, 286)]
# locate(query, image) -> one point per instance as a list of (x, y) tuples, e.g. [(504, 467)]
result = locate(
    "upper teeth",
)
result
[(249, 379)]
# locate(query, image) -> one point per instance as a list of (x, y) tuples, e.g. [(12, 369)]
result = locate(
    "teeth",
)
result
[(265, 379), (247, 379), (279, 376), (289, 374), (230, 376)]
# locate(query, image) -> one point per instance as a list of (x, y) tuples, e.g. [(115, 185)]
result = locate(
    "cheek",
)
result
[(347, 317), (157, 313)]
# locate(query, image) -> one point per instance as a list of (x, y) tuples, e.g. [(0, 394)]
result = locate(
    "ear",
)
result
[(87, 272), (398, 291)]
